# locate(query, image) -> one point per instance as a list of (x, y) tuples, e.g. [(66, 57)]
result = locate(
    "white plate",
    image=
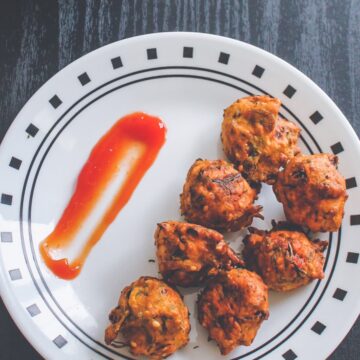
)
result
[(187, 79)]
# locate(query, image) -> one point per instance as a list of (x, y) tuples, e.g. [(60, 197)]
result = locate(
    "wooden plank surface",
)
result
[(38, 38)]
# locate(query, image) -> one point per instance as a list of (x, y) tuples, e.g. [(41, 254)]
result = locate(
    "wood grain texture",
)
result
[(39, 37)]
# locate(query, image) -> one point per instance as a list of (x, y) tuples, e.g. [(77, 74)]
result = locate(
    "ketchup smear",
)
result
[(95, 176)]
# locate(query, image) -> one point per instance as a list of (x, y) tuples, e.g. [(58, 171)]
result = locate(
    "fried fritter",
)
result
[(189, 254), (312, 191), (285, 259), (256, 139), (215, 195), (152, 318), (233, 307)]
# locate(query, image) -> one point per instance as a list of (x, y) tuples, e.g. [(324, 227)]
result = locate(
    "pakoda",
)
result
[(216, 195), (190, 254), (285, 259), (232, 308), (312, 191), (152, 318), (256, 139)]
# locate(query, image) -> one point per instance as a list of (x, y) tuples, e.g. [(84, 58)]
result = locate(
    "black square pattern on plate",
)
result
[(289, 355), (289, 91), (116, 62), (350, 183), (337, 148), (84, 78), (316, 117), (6, 199), (224, 58), (151, 53), (258, 71), (15, 163), (32, 130), (15, 274), (33, 310), (339, 294), (318, 327), (60, 341), (355, 220), (352, 257), (188, 52), (6, 237), (55, 101)]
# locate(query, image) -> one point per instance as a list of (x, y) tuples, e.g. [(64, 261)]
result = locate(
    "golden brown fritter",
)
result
[(256, 139), (215, 195), (189, 254), (312, 191), (233, 307), (285, 259), (152, 318)]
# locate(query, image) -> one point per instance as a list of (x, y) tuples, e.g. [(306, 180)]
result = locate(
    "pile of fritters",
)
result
[(219, 196)]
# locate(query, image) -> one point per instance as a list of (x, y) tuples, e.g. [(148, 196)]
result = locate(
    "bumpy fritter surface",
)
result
[(152, 318), (256, 139), (189, 254), (215, 195), (312, 191), (284, 259), (233, 307)]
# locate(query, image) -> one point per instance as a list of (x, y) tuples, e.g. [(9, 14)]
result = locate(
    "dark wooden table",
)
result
[(38, 38)]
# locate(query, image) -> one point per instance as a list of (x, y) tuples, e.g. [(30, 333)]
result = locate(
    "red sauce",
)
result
[(93, 179)]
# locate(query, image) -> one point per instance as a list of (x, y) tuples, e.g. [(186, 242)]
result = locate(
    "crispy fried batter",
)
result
[(233, 307), (312, 191), (215, 195), (189, 254), (151, 317), (256, 139), (284, 259)]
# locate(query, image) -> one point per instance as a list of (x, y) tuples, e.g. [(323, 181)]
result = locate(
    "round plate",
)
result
[(186, 79)]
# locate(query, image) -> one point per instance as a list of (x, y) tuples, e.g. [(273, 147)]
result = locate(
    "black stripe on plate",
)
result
[(337, 148), (355, 220), (116, 62), (6, 237), (318, 327), (55, 101), (15, 163), (151, 53), (60, 341), (15, 274), (289, 355), (289, 91), (339, 294), (188, 52), (6, 199), (258, 71), (33, 310), (84, 78), (316, 117), (224, 58), (32, 130), (350, 183), (352, 257)]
